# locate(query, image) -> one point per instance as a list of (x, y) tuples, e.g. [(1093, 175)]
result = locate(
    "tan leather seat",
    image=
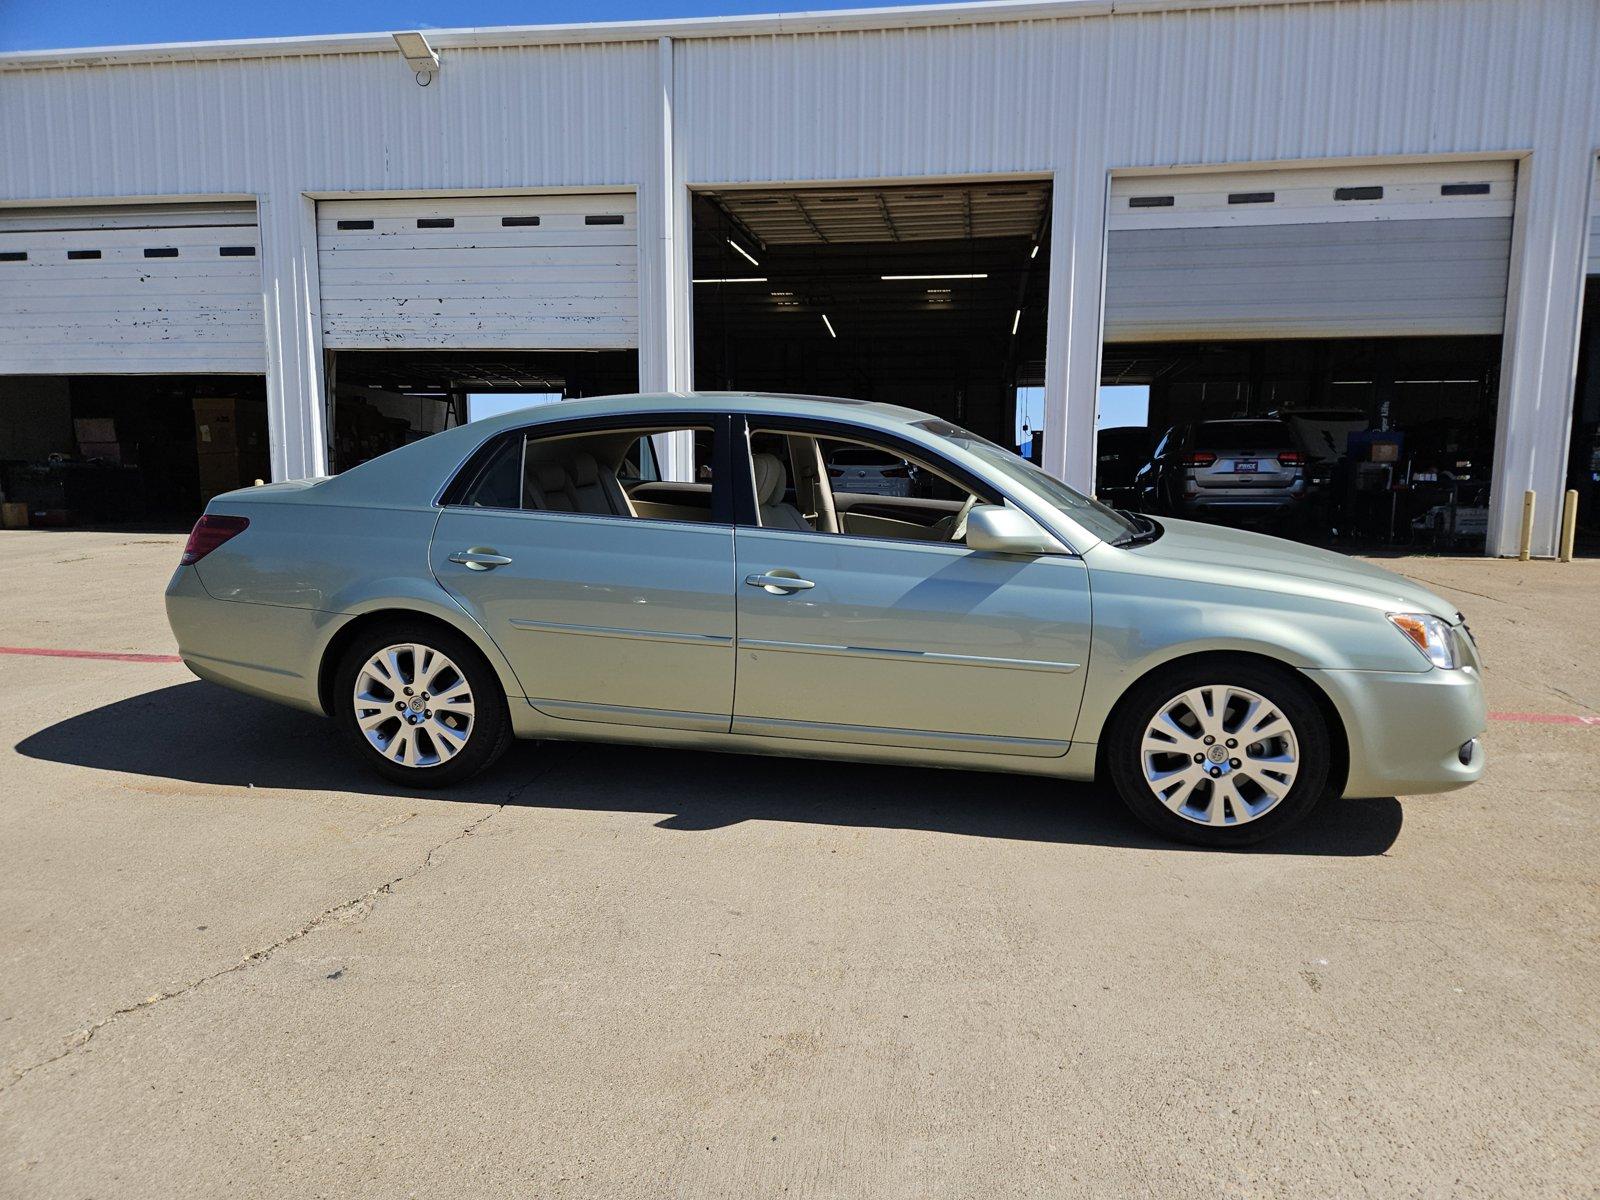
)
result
[(771, 481), (579, 485), (596, 488)]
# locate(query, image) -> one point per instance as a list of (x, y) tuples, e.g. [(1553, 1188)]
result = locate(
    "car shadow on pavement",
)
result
[(199, 733)]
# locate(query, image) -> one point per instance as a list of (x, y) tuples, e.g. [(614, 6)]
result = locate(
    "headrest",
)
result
[(771, 479), (584, 470), (548, 476)]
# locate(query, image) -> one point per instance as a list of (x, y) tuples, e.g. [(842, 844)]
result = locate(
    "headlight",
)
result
[(1429, 634)]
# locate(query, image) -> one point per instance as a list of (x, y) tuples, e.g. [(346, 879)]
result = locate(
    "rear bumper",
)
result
[(1265, 500), (263, 650), (1407, 730)]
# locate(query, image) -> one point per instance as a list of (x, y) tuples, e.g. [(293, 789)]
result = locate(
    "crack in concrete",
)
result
[(82, 1037), (1455, 587)]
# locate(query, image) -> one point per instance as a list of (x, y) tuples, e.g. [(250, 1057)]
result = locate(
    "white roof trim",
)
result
[(911, 16)]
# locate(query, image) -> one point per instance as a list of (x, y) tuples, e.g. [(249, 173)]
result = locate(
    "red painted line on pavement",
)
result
[(1546, 718), (40, 652)]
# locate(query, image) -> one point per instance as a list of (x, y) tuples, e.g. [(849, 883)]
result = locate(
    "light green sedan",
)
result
[(693, 570)]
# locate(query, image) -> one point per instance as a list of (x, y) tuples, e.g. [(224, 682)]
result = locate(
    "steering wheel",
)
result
[(958, 520)]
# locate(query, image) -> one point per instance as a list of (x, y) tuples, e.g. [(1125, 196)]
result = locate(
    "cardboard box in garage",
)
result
[(229, 470), (225, 424), (94, 430)]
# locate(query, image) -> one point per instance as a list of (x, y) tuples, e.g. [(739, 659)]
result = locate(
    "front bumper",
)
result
[(1406, 729)]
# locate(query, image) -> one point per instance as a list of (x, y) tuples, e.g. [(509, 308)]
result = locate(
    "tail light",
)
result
[(835, 472), (208, 533), (1291, 458), (1200, 458), (897, 473)]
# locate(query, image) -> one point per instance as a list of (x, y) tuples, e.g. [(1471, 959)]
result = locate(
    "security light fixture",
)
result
[(419, 56), (977, 275), (743, 251), (829, 324)]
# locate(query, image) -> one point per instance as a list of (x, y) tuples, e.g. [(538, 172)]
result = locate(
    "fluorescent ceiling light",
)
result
[(743, 251), (829, 324), (1034, 253), (418, 54), (1015, 321), (977, 275), (736, 279)]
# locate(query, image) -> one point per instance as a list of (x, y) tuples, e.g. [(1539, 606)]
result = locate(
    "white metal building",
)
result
[(1216, 168)]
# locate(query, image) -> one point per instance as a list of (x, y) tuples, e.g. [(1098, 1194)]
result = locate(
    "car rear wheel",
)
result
[(420, 705), (1222, 753)]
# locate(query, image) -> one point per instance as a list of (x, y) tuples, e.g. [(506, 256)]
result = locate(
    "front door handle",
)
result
[(779, 584), (480, 559)]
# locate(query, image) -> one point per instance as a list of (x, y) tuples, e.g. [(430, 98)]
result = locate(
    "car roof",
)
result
[(771, 403), (401, 477)]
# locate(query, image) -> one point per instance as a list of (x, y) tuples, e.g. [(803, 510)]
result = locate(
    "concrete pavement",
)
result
[(234, 962)]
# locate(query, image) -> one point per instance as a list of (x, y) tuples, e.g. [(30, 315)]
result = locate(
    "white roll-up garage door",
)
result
[(139, 289), (1411, 250), (491, 272)]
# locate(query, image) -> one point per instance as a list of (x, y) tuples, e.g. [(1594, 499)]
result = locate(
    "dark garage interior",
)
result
[(129, 450), (1394, 436), (1583, 460), (933, 296)]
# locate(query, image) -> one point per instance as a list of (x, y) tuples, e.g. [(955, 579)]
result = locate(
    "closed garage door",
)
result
[(130, 290), (1415, 250), (527, 272)]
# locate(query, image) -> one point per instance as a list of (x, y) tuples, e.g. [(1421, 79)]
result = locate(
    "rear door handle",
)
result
[(478, 559), (777, 584)]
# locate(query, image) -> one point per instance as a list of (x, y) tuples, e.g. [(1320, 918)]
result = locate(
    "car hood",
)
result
[(1190, 549)]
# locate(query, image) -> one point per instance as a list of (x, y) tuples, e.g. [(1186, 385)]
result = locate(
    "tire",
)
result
[(470, 730), (1277, 781)]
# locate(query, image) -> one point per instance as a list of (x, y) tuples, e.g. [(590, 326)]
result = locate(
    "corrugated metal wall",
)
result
[(1594, 225), (525, 117), (1075, 97)]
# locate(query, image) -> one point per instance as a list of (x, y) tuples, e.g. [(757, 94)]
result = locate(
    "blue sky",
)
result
[(58, 24)]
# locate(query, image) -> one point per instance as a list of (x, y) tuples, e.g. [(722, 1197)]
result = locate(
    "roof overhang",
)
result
[(844, 20)]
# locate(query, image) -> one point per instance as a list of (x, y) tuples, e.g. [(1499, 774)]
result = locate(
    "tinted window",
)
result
[(861, 456), (603, 473), (1242, 435)]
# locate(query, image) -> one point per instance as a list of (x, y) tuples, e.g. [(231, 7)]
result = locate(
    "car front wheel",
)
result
[(420, 705), (1221, 753)]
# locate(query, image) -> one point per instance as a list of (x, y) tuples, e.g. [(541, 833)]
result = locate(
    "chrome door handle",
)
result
[(779, 583), (480, 560)]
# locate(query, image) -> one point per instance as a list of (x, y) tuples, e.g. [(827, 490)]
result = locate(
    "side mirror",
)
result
[(999, 530)]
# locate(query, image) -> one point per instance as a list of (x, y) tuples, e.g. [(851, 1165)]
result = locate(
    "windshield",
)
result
[(1105, 523)]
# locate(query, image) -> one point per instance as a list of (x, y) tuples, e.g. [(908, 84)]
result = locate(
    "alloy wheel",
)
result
[(414, 705), (1219, 755)]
